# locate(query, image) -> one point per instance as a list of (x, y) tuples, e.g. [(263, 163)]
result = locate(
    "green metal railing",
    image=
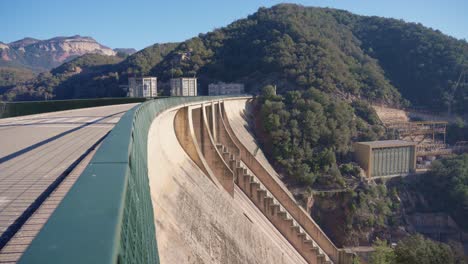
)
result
[(107, 216)]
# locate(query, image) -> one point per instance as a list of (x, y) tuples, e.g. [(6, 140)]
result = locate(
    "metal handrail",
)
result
[(107, 216)]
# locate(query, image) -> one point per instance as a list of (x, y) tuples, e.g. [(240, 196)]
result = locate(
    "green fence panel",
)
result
[(107, 216)]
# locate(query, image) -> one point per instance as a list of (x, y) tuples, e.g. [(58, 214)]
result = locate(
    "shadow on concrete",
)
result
[(39, 144)]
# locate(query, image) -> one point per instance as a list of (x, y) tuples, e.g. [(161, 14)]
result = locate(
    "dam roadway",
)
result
[(40, 158)]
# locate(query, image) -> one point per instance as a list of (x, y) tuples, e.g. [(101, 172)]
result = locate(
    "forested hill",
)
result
[(297, 47), (424, 64), (335, 51), (288, 45)]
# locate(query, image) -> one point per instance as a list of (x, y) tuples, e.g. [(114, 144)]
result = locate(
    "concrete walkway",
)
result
[(36, 152)]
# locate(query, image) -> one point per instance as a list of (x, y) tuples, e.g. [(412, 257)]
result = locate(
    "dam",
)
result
[(182, 180)]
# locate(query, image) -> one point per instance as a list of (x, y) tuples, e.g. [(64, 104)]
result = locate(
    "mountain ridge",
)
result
[(297, 47), (43, 55)]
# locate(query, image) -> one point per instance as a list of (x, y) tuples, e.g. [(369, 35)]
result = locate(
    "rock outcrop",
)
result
[(42, 55)]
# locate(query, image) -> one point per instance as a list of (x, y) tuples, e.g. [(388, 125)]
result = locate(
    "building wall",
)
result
[(380, 160), (225, 89), (142, 87), (392, 161), (132, 87), (184, 87), (362, 155), (149, 87)]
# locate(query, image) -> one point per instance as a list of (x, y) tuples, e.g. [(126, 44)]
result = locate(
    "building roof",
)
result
[(387, 143), (142, 77), (184, 78)]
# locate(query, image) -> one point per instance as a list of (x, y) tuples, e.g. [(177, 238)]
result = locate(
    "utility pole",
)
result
[(451, 97)]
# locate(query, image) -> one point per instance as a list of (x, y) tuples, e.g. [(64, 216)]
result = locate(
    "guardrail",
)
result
[(11, 109), (107, 216)]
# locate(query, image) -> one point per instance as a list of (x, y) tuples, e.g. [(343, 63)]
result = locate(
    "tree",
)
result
[(308, 133), (268, 92), (446, 185), (414, 249), (418, 250), (383, 253)]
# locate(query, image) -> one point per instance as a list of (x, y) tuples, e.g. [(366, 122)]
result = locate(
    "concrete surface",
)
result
[(18, 244), (34, 151), (196, 220), (238, 118)]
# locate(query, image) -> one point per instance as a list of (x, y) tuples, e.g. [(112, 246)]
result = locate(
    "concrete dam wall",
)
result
[(215, 197)]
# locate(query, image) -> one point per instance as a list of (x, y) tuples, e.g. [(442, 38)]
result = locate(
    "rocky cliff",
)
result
[(42, 55)]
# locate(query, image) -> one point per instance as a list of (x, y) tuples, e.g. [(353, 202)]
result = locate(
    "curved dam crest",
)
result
[(196, 221), (215, 197)]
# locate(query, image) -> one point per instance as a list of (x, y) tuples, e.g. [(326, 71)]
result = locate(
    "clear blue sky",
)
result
[(140, 23)]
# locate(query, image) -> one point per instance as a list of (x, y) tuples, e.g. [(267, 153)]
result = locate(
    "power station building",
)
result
[(386, 158), (184, 87), (142, 87), (222, 88)]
